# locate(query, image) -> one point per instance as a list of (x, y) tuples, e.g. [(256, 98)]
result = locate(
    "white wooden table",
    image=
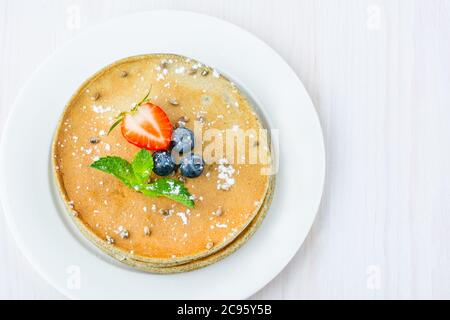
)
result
[(379, 75)]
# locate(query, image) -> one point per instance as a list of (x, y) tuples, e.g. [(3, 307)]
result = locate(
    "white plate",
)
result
[(30, 203)]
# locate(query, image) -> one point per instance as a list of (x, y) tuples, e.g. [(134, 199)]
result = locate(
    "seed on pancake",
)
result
[(182, 179), (201, 119), (182, 121), (110, 240), (218, 212), (123, 74), (94, 140), (164, 212), (147, 231), (205, 72), (209, 245), (174, 102), (192, 71), (122, 232), (96, 96), (164, 64)]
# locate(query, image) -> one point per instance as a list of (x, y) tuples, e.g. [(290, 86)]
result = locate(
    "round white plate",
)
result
[(39, 223)]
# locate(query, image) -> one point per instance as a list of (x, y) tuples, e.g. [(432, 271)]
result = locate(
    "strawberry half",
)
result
[(148, 127)]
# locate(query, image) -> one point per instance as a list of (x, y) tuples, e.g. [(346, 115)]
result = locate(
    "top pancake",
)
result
[(102, 204)]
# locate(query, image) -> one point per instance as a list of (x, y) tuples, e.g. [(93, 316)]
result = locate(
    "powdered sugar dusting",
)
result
[(183, 217), (225, 178), (180, 70), (101, 109)]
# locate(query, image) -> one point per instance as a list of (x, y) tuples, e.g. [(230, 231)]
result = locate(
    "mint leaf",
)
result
[(169, 188), (142, 166), (136, 174), (118, 167)]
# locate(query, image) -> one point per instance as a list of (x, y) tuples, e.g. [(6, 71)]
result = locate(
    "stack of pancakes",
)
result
[(157, 234)]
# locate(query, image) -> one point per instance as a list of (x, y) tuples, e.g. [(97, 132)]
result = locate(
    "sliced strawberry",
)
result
[(147, 127)]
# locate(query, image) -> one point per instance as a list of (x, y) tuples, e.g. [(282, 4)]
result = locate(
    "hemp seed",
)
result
[(94, 140), (218, 212), (192, 71), (164, 212), (96, 96), (174, 102), (110, 240), (182, 121)]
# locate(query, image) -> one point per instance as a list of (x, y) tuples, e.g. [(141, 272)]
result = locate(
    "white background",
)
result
[(379, 75)]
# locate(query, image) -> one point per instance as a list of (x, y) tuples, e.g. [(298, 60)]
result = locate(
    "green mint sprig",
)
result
[(137, 174)]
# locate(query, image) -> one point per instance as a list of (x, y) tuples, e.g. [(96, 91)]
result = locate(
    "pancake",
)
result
[(228, 195), (240, 240)]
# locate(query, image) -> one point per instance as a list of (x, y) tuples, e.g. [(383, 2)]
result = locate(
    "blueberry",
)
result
[(192, 166), (163, 163), (183, 140)]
